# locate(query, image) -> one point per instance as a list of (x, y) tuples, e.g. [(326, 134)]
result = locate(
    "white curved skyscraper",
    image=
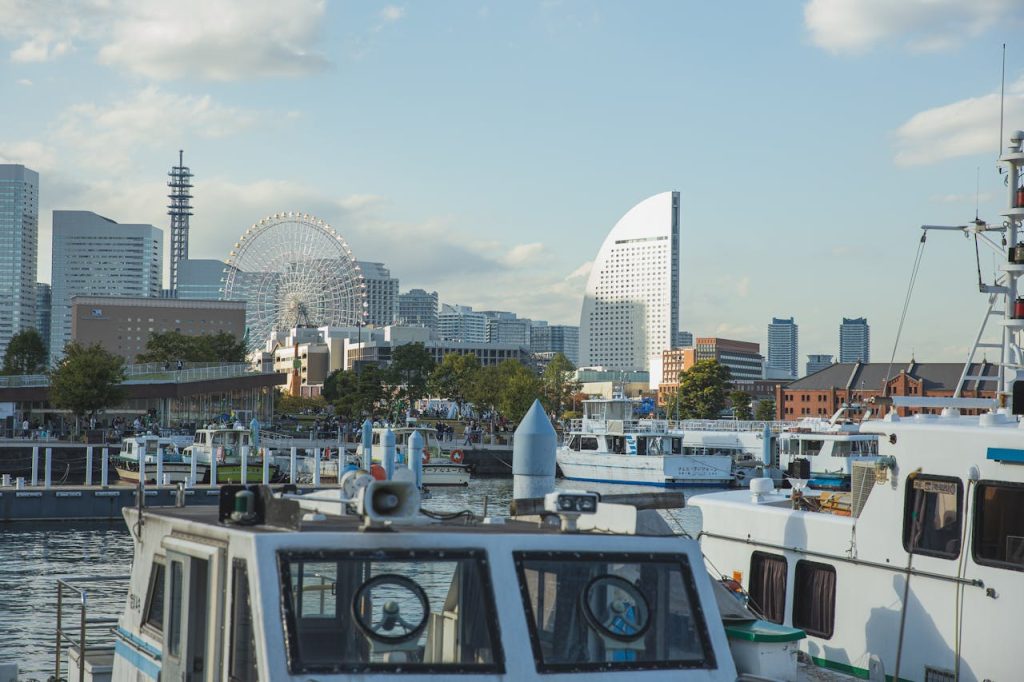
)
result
[(631, 306)]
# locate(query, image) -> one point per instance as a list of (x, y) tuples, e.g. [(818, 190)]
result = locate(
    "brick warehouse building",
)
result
[(822, 393)]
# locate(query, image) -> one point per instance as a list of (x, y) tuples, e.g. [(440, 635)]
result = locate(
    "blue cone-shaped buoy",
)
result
[(387, 442), (533, 455), (367, 444), (414, 457)]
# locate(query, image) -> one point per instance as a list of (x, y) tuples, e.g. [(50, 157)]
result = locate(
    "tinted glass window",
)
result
[(768, 585), (814, 598), (155, 604), (396, 612), (591, 611), (999, 525), (932, 518)]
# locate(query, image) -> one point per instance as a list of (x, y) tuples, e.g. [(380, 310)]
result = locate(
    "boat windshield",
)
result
[(611, 612), (399, 612)]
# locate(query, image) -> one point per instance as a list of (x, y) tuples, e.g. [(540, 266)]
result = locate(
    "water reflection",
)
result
[(33, 557)]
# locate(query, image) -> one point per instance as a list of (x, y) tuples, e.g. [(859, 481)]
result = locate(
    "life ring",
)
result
[(426, 456), (457, 456)]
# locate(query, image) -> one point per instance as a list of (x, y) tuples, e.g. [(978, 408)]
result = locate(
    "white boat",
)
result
[(159, 456), (440, 468), (830, 448), (920, 565), (221, 448), (282, 588), (609, 445)]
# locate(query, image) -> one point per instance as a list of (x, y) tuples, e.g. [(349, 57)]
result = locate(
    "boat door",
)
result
[(192, 611)]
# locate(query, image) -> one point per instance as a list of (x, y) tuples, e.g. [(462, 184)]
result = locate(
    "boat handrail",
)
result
[(99, 627), (730, 425), (663, 426)]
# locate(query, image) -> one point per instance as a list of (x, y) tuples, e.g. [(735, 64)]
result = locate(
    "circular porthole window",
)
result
[(390, 609), (615, 608)]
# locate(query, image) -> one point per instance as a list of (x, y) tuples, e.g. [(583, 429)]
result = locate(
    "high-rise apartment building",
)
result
[(418, 308), (95, 256), (381, 294), (461, 323), (19, 250), (200, 279), (631, 304), (855, 340), (43, 303), (506, 327), (816, 363), (783, 344), (556, 338)]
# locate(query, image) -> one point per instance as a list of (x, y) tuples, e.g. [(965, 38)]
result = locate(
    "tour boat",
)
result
[(358, 583), (610, 445), (222, 449), (439, 468), (159, 456), (918, 567)]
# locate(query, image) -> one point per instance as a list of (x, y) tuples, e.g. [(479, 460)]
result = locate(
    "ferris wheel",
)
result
[(293, 269)]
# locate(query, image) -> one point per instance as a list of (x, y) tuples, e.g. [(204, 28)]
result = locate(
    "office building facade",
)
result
[(461, 324), (95, 256), (557, 338), (43, 304), (855, 340), (200, 279), (506, 327), (381, 294), (19, 250), (631, 303), (418, 308), (816, 363), (783, 348)]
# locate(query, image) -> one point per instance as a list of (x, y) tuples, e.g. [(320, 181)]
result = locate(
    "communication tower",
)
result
[(179, 210)]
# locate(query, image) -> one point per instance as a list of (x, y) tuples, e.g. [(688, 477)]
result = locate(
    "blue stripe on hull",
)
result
[(664, 484)]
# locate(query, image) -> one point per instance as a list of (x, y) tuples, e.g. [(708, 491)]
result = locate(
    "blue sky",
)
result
[(484, 149)]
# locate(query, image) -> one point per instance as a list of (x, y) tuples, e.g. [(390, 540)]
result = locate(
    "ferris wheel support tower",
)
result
[(179, 210)]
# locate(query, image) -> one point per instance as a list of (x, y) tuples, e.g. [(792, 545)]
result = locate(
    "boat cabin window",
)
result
[(864, 447), (242, 655), (201, 438), (152, 446), (574, 443), (841, 448), (932, 516), (410, 612), (814, 598), (612, 612), (812, 447), (588, 442), (376, 438), (677, 446), (767, 588), (789, 446), (999, 525), (154, 613)]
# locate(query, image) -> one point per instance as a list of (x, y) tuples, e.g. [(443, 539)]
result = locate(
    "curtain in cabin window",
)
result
[(767, 587), (814, 598)]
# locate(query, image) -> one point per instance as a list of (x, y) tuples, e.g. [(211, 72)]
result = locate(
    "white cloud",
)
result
[(962, 128), (392, 13), (961, 198), (24, 81), (212, 39), (35, 155), (743, 287), (582, 272), (921, 25), (523, 254)]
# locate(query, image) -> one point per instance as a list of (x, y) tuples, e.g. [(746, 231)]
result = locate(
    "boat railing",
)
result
[(87, 634), (730, 425), (663, 426)]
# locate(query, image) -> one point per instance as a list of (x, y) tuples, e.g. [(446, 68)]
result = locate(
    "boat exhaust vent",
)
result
[(861, 483)]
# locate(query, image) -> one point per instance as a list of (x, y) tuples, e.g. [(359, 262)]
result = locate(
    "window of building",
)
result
[(999, 525), (814, 598), (767, 587), (932, 516)]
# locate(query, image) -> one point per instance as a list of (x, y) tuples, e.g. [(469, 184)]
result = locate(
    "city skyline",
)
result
[(481, 190)]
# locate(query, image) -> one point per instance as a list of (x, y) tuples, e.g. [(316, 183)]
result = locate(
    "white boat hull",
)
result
[(658, 470), (445, 473), (176, 472)]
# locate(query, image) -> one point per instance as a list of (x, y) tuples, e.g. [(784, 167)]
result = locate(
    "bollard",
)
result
[(266, 467), (88, 465), (387, 443), (293, 455), (35, 465), (104, 467), (414, 456), (533, 455), (48, 481), (316, 467), (159, 466), (244, 477), (367, 444)]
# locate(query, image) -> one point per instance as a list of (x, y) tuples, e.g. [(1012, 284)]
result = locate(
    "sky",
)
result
[(484, 149)]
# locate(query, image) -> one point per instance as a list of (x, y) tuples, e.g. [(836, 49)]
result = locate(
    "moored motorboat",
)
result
[(227, 451), (159, 458)]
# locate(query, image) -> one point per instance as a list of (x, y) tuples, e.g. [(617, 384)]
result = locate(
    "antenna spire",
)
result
[(1002, 104)]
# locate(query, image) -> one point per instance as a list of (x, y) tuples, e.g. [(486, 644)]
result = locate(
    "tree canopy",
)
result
[(410, 372), (702, 391), (355, 395), (765, 410), (173, 346), (453, 378), (26, 354), (558, 385), (740, 403), (520, 386), (87, 380)]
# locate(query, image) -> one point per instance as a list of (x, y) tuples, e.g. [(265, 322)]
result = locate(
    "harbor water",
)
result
[(34, 556)]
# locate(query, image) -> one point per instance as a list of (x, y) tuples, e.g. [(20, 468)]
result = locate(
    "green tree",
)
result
[(520, 386), (765, 410), (453, 378), (167, 347), (410, 370), (26, 354), (285, 403), (356, 395), (740, 403), (559, 385), (87, 380), (702, 390), (485, 389)]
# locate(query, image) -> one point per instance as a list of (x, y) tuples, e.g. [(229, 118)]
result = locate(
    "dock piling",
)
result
[(193, 470), (88, 465), (245, 465), (292, 464), (316, 467), (35, 465), (387, 443), (266, 467), (367, 435), (415, 457), (105, 467), (48, 480), (159, 467), (213, 468)]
